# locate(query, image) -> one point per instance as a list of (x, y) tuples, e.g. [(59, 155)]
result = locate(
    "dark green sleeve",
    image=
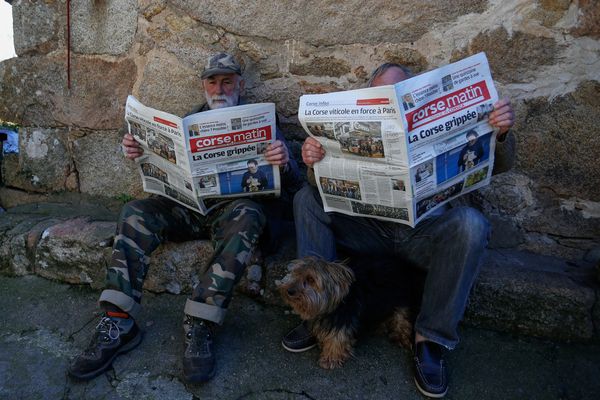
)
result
[(504, 154)]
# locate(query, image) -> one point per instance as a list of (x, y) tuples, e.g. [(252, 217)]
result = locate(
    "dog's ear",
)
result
[(284, 280), (346, 273)]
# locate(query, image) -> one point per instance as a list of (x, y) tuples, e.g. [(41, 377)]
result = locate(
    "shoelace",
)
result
[(106, 330), (199, 337), (109, 327)]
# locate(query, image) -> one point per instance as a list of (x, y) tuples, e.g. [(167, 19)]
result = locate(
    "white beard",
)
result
[(222, 101)]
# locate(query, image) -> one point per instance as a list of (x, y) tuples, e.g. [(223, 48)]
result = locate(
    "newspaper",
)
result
[(400, 152), (211, 154)]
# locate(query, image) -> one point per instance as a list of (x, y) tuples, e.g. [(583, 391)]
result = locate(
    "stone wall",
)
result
[(544, 55)]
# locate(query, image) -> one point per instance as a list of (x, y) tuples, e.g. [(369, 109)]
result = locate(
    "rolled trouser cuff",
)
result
[(121, 300), (204, 311)]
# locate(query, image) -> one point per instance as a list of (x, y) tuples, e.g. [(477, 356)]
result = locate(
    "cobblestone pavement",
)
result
[(45, 323)]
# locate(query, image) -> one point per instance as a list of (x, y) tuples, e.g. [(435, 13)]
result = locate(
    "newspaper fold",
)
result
[(399, 152), (210, 154)]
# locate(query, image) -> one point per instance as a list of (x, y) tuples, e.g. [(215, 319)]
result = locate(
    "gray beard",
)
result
[(230, 101)]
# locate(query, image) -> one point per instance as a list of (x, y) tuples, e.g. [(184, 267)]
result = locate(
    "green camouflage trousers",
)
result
[(144, 224)]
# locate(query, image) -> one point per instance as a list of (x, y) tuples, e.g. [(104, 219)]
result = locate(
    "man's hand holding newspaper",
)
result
[(502, 118), (312, 151), (131, 148), (277, 154)]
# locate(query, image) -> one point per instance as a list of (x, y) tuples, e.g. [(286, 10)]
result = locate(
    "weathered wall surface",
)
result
[(544, 55)]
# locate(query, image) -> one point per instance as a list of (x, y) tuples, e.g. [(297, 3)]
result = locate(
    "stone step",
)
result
[(535, 295), (515, 292)]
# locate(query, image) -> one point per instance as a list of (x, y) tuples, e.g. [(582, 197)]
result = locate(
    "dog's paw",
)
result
[(331, 363), (400, 327)]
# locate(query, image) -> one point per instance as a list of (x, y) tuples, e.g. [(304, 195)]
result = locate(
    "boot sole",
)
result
[(429, 394), (92, 374), (298, 350)]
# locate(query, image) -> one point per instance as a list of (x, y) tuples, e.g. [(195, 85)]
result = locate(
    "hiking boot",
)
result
[(430, 369), (113, 336), (299, 339), (198, 357)]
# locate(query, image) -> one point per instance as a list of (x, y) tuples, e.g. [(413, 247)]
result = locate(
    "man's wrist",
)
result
[(502, 137)]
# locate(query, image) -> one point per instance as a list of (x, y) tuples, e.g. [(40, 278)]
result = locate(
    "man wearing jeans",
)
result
[(449, 245), (234, 227)]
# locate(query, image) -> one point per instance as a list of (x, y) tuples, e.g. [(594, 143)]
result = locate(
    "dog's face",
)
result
[(315, 287)]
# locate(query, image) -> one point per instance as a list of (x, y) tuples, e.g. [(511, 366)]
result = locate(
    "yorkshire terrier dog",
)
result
[(341, 301)]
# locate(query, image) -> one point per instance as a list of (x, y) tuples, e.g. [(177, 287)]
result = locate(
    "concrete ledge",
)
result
[(535, 295), (516, 292)]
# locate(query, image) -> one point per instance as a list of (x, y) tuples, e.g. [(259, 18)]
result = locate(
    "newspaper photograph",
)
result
[(398, 152), (210, 154)]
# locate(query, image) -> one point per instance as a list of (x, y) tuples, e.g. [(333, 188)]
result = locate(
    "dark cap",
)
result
[(221, 63)]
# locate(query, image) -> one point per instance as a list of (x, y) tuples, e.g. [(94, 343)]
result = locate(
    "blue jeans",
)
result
[(449, 247)]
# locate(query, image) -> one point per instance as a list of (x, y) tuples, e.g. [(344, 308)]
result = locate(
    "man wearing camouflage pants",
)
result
[(234, 228)]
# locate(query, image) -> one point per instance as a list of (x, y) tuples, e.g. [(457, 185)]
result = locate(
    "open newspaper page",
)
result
[(226, 151), (164, 167), (365, 169), (399, 152), (450, 142), (212, 154)]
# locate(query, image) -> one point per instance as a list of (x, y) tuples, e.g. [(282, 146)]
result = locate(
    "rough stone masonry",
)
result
[(544, 55)]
